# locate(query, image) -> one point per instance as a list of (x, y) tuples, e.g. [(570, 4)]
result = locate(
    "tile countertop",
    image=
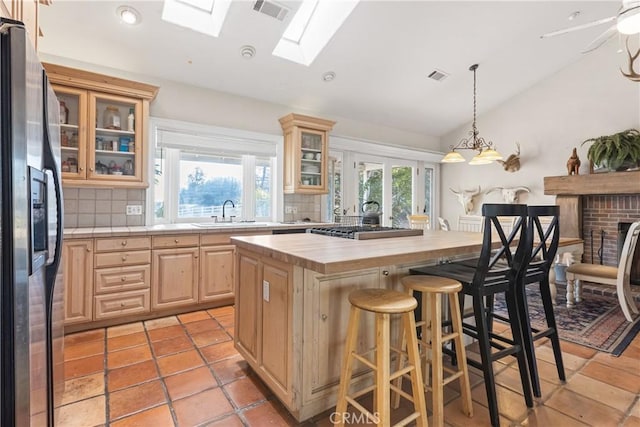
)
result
[(85, 233)]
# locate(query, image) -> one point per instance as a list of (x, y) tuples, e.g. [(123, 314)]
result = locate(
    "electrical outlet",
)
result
[(265, 290), (134, 209), (288, 209)]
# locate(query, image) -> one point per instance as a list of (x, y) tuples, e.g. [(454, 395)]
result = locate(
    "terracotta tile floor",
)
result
[(183, 371)]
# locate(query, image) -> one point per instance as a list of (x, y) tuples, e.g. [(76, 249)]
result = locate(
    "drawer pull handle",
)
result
[(124, 243), (121, 304), (123, 278), (88, 250), (385, 272), (176, 240), (124, 258)]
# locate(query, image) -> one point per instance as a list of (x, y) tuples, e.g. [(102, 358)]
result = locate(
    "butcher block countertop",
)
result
[(326, 254)]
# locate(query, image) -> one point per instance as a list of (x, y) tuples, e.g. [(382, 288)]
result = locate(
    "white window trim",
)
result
[(242, 141)]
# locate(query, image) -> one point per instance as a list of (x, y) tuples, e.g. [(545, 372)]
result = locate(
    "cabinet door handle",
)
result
[(385, 272), (88, 250), (90, 169), (124, 257), (80, 169), (124, 243), (123, 278), (324, 317)]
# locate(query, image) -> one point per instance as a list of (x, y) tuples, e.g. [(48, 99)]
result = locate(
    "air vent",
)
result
[(270, 8), (438, 75)]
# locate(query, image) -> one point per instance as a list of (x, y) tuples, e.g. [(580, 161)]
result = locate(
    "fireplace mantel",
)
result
[(598, 183)]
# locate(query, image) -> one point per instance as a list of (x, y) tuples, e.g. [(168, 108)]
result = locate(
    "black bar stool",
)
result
[(497, 271)]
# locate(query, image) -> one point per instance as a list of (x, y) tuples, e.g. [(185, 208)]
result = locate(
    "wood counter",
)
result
[(292, 307)]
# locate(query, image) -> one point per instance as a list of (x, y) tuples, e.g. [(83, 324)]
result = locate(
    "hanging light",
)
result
[(486, 152)]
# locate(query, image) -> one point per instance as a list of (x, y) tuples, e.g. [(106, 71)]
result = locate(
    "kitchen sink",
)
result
[(230, 224)]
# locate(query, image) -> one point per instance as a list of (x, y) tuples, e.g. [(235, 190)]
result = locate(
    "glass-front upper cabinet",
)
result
[(103, 122), (115, 138), (73, 131), (305, 153)]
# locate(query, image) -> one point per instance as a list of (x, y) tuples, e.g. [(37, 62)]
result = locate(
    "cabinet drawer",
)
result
[(122, 243), (119, 279), (117, 259), (178, 241), (121, 304), (225, 238)]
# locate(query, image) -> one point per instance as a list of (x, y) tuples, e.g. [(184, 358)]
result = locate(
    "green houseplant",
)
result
[(619, 151)]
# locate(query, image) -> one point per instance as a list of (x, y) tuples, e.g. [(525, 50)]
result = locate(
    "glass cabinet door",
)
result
[(115, 138), (73, 131), (312, 158)]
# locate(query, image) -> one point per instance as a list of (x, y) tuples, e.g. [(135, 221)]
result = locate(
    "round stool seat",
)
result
[(382, 301), (432, 284)]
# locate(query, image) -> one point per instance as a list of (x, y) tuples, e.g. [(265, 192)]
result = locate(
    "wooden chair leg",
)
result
[(400, 362), (416, 376), (465, 386), (349, 348), (383, 371), (427, 339), (437, 379)]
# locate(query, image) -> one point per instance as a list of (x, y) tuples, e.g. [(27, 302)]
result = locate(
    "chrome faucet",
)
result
[(224, 205)]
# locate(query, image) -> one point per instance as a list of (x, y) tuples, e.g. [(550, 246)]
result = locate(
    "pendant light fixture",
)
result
[(486, 152)]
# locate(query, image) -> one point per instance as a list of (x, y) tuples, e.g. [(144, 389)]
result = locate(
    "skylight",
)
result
[(311, 28), (204, 16)]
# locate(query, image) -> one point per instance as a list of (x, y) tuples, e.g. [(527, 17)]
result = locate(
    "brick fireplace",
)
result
[(593, 205)]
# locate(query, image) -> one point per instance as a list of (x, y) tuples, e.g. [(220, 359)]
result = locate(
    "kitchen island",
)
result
[(292, 307)]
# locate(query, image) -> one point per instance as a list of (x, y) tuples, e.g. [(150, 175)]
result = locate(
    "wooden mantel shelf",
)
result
[(609, 183)]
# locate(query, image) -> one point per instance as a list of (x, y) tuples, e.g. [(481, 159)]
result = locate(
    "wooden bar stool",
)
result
[(383, 303), (431, 341)]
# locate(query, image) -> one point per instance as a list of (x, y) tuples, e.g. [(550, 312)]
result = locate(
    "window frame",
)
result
[(216, 141)]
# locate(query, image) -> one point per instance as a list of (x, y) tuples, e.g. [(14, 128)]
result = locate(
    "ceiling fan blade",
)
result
[(578, 27), (601, 39)]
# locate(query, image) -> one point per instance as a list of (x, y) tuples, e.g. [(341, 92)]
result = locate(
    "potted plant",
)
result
[(617, 152)]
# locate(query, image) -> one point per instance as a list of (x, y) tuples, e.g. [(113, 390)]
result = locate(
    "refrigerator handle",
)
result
[(50, 164)]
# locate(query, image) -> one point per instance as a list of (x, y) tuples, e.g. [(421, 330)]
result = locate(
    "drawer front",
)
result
[(118, 259), (123, 243), (121, 304), (119, 279), (177, 241)]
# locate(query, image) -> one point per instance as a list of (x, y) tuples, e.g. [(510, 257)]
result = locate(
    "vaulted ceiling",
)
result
[(381, 56)]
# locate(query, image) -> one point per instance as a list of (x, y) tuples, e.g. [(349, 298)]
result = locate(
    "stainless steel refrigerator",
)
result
[(31, 288)]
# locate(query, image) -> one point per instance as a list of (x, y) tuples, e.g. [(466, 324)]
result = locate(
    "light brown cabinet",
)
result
[(264, 319), (175, 277), (217, 264), (122, 277), (305, 153), (77, 264), (103, 128), (26, 11)]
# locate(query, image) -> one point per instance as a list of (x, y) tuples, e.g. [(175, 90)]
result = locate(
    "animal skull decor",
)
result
[(512, 164), (465, 198), (509, 195)]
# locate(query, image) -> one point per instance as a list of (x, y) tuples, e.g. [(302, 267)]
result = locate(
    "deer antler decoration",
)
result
[(632, 75)]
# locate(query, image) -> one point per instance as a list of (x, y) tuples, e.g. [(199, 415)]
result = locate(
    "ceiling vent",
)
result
[(438, 75), (270, 8)]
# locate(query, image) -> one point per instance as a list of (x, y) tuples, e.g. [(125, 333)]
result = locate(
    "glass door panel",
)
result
[(370, 185), (116, 143), (312, 158), (401, 195), (73, 106)]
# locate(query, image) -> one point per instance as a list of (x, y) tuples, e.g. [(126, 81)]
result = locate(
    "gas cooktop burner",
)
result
[(365, 232)]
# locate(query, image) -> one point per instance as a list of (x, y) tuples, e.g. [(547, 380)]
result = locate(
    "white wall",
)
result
[(587, 99), (194, 104)]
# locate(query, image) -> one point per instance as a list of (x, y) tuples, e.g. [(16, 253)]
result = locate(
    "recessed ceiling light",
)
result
[(247, 51), (128, 15), (328, 76)]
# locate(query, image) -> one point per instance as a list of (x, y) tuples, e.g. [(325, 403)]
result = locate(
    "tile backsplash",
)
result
[(308, 206), (102, 207)]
